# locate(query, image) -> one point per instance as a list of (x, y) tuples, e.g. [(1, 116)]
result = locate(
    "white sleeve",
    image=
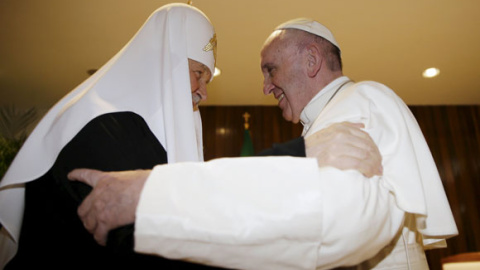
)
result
[(259, 213), (360, 218)]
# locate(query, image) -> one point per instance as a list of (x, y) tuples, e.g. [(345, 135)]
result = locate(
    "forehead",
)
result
[(271, 42), (197, 65), (194, 63), (276, 48), (270, 52)]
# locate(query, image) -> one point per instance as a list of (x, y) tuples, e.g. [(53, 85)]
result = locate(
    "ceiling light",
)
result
[(217, 72), (431, 72)]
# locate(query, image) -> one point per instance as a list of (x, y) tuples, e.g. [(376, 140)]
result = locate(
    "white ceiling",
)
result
[(46, 47)]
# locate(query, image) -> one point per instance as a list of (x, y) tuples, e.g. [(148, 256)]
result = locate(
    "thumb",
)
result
[(87, 176)]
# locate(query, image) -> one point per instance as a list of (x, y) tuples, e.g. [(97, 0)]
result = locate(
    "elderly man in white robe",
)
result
[(285, 212)]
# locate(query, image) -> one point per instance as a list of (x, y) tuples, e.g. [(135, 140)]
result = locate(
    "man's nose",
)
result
[(203, 90), (267, 86)]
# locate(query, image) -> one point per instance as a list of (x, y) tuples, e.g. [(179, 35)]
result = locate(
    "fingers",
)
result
[(100, 234), (91, 213), (365, 167), (94, 225), (349, 129), (87, 176), (345, 146), (112, 202), (353, 125), (363, 156), (88, 209)]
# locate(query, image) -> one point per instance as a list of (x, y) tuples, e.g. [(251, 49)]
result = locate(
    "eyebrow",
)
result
[(268, 66), (206, 69), (207, 72)]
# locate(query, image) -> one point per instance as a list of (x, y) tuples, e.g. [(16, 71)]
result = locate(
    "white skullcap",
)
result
[(309, 26)]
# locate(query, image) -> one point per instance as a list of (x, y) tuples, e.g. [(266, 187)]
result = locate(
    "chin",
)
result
[(292, 119), (289, 118), (295, 121)]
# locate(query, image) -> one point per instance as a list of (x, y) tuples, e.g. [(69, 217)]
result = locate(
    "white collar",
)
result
[(319, 101)]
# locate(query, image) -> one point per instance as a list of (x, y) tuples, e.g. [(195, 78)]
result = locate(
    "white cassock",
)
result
[(286, 213)]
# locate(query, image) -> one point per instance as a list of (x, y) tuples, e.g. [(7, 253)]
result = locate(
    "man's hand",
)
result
[(345, 146), (113, 200)]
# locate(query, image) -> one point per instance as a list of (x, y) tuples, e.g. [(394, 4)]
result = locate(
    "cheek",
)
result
[(193, 82), (294, 104)]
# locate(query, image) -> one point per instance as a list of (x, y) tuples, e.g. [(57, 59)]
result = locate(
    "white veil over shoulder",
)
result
[(149, 76)]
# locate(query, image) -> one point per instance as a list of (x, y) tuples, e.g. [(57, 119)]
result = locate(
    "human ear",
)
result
[(314, 60)]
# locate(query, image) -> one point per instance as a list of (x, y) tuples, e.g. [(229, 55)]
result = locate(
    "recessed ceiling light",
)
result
[(431, 72), (217, 72)]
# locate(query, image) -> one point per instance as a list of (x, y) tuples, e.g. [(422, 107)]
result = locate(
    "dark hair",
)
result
[(332, 54)]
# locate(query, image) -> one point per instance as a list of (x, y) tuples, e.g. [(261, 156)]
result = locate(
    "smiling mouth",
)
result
[(281, 97)]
